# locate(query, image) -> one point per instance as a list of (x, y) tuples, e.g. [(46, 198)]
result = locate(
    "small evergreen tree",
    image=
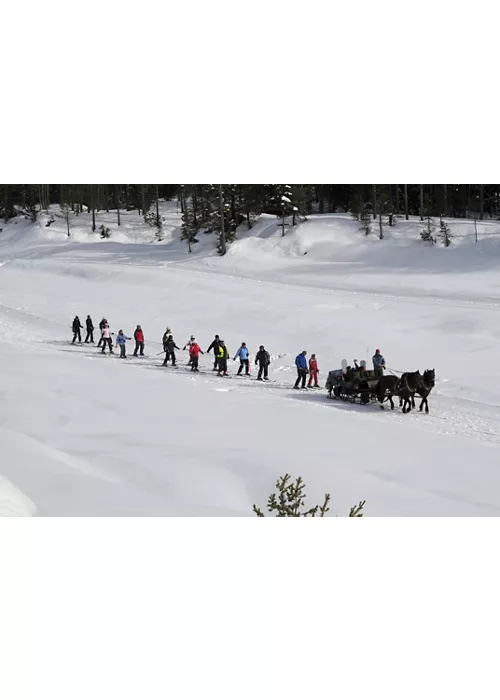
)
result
[(445, 234), (426, 234), (189, 228), (289, 502), (366, 220)]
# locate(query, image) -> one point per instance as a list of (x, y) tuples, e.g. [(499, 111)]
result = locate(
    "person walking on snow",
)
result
[(121, 340), (166, 335), (102, 325), (222, 358), (194, 355), (215, 345), (378, 363), (90, 330), (188, 346), (170, 347), (76, 326), (263, 359), (139, 341), (301, 364), (244, 361), (313, 372), (106, 340)]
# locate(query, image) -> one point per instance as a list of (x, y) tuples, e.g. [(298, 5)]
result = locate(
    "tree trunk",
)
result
[(481, 202), (406, 201), (321, 198), (143, 203), (397, 199), (117, 201), (381, 234), (233, 206), (157, 207), (222, 232), (249, 222), (67, 218), (93, 219), (374, 204), (445, 200), (421, 202)]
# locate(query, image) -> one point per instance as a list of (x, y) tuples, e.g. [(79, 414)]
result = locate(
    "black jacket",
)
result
[(170, 346), (76, 325), (214, 345), (90, 325), (263, 358)]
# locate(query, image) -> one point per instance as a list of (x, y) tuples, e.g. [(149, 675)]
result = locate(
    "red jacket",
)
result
[(139, 336), (194, 350), (313, 366)]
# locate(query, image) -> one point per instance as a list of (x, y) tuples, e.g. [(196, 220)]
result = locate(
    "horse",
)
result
[(404, 387), (425, 386)]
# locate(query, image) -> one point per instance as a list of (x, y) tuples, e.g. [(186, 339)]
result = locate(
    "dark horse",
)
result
[(405, 387), (424, 388)]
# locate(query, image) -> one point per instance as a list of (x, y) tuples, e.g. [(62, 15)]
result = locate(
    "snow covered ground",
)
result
[(84, 434)]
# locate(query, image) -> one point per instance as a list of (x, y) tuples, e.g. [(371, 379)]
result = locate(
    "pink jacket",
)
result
[(106, 333)]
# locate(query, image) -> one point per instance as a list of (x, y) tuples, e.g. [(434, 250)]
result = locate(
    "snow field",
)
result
[(93, 435)]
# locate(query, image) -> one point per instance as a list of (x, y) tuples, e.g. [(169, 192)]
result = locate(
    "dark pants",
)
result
[(101, 341), (77, 334), (216, 363), (194, 364), (379, 372), (170, 356), (222, 364), (138, 347), (246, 365), (262, 370), (123, 352), (106, 342), (89, 338), (301, 375)]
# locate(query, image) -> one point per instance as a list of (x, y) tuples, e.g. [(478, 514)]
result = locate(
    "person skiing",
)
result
[(215, 345), (244, 361), (170, 347), (313, 371), (263, 359), (194, 355), (76, 326), (90, 330), (378, 363), (167, 333), (139, 341), (121, 340), (102, 325), (222, 358), (188, 346), (106, 340), (301, 364)]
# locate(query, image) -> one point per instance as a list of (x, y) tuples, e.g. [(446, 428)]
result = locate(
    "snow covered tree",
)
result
[(289, 502), (189, 228), (366, 220), (426, 234), (445, 234)]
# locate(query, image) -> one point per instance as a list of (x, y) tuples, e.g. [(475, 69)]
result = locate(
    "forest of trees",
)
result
[(222, 208)]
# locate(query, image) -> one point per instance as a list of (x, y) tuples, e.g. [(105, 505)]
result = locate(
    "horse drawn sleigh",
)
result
[(366, 386)]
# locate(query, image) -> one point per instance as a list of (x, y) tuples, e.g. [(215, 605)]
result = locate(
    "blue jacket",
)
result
[(378, 361), (121, 339), (242, 354), (301, 361)]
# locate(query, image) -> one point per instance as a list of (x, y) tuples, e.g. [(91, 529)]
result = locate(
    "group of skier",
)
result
[(221, 353)]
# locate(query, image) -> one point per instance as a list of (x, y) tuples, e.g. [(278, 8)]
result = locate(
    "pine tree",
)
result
[(428, 229), (445, 234), (289, 502)]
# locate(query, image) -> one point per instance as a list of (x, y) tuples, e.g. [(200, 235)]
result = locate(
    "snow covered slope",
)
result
[(84, 434)]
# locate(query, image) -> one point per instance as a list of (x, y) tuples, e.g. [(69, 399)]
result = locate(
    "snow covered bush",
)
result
[(289, 502)]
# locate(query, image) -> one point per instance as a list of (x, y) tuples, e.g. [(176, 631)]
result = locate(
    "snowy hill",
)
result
[(90, 435)]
